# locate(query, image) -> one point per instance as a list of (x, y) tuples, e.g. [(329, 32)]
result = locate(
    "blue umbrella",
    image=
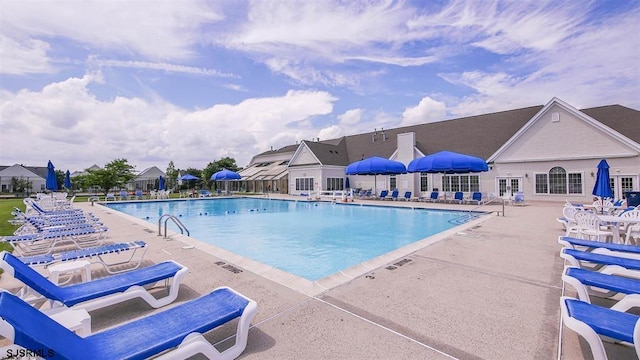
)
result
[(375, 166), (448, 162), (602, 186), (225, 174), (67, 180), (188, 177), (52, 183), (161, 183)]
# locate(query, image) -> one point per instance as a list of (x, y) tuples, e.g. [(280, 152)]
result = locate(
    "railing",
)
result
[(491, 201), (176, 221)]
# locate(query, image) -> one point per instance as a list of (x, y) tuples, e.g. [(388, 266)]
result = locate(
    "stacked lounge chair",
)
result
[(36, 316)]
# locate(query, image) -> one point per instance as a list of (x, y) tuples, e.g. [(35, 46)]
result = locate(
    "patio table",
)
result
[(614, 221)]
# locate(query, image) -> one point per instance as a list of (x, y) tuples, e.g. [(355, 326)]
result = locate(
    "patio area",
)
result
[(490, 291)]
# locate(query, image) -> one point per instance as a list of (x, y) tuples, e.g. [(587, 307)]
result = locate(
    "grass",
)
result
[(6, 206)]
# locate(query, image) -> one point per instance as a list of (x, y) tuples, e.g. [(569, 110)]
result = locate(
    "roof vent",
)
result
[(555, 117), (384, 135), (373, 136)]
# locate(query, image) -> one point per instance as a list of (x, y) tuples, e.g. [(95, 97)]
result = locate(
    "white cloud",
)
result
[(350, 117), (66, 123), (428, 110), (159, 66), (159, 30), (26, 57)]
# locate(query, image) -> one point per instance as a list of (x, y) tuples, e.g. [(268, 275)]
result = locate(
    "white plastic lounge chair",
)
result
[(587, 283), (568, 220), (433, 197), (110, 196), (134, 252), (123, 195), (476, 198), (98, 293), (32, 205), (595, 323), (591, 245), (46, 242), (620, 264), (176, 333)]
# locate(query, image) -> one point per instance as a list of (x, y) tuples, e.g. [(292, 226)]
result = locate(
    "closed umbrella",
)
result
[(226, 175), (376, 166), (67, 180), (602, 187), (51, 182), (161, 183)]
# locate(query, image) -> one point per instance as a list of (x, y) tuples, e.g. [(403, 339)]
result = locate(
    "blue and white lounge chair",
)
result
[(433, 197), (587, 282), (407, 196), (98, 293), (458, 197), (45, 242), (123, 195), (606, 264), (394, 194), (176, 333), (592, 245), (33, 205), (103, 255), (383, 194), (476, 198), (594, 323)]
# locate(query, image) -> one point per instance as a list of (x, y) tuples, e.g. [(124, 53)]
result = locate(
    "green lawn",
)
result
[(6, 206)]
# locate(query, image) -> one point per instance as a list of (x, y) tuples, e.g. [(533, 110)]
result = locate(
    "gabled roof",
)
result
[(479, 135), (614, 120), (622, 119), (329, 154)]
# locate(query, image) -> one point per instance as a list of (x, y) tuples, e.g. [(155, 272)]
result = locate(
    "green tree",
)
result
[(115, 175), (172, 175), (21, 185)]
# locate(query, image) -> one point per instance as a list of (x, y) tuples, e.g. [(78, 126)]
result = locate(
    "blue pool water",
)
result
[(308, 239)]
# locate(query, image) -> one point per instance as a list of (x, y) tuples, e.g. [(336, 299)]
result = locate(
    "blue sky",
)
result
[(87, 82)]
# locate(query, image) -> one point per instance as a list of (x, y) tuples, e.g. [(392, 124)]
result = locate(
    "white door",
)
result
[(620, 184), (509, 186)]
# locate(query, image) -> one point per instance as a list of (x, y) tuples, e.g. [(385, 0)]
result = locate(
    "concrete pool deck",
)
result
[(489, 291)]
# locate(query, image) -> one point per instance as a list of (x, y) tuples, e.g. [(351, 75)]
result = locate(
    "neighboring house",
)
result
[(549, 152), (84, 172), (36, 175), (147, 179)]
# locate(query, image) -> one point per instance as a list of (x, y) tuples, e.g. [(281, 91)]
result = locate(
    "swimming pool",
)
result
[(309, 239)]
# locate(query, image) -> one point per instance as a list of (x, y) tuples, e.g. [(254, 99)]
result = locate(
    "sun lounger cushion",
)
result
[(77, 293), (139, 339), (631, 264), (605, 281), (73, 255), (615, 324), (592, 244)]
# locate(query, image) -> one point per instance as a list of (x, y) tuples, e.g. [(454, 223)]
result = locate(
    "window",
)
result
[(335, 184), (465, 183), (393, 182), (304, 184), (424, 182), (558, 181)]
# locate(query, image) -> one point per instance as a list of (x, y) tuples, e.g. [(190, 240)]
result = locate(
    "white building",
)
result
[(549, 152)]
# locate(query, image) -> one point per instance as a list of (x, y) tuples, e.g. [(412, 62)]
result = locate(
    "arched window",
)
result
[(557, 181)]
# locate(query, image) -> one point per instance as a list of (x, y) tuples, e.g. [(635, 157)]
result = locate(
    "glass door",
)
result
[(509, 186), (620, 184)]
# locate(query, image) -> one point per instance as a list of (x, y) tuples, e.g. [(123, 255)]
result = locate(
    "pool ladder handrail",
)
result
[(495, 199), (175, 220)]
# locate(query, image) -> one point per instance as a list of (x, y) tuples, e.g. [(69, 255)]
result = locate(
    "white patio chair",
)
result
[(589, 226)]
